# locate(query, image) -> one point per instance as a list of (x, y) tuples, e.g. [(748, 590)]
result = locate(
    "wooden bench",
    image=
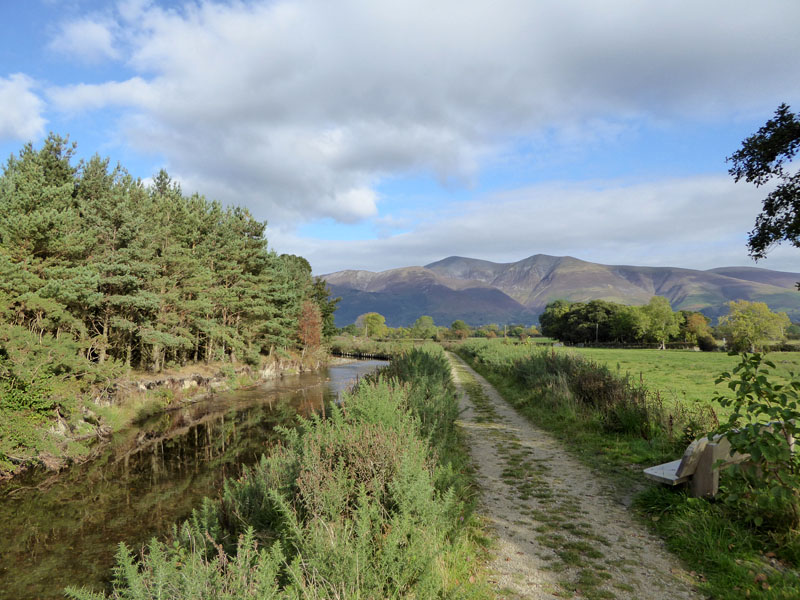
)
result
[(697, 464)]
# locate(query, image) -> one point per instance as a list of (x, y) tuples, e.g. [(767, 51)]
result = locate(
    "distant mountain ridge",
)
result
[(481, 291)]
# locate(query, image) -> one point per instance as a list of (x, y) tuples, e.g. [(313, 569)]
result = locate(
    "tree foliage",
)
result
[(141, 275), (763, 158), (750, 325), (372, 325), (459, 329), (320, 293), (553, 320), (660, 322), (764, 425), (424, 328), (310, 330), (601, 321), (695, 326)]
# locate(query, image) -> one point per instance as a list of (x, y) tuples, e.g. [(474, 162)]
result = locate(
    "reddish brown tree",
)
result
[(310, 326)]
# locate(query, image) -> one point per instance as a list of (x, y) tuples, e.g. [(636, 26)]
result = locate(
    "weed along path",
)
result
[(557, 534)]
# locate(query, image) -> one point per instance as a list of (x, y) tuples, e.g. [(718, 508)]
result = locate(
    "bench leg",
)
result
[(705, 481)]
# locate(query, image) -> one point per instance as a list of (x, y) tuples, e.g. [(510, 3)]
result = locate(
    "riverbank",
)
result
[(373, 502), (75, 432), (66, 525), (352, 346)]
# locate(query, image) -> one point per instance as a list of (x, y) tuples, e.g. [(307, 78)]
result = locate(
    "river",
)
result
[(63, 529)]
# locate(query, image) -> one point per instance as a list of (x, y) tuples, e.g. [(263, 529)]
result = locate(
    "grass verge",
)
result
[(731, 560), (575, 399), (612, 422)]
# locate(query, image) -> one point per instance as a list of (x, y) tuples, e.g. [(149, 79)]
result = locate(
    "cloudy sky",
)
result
[(376, 134)]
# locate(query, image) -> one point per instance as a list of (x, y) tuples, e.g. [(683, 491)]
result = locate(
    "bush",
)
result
[(763, 424), (707, 343)]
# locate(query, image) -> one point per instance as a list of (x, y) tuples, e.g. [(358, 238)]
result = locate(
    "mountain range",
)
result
[(481, 292)]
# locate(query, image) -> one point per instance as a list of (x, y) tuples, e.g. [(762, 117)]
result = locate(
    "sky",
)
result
[(374, 134)]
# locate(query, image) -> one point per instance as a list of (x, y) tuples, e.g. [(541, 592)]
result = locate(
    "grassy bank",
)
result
[(61, 422), (372, 502), (617, 426), (614, 421), (677, 376)]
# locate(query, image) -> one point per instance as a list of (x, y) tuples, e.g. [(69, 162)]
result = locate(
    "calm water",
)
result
[(63, 529)]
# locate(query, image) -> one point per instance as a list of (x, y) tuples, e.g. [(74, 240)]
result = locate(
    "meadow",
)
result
[(680, 375)]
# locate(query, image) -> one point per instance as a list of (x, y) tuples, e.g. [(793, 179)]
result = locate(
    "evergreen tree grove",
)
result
[(108, 270)]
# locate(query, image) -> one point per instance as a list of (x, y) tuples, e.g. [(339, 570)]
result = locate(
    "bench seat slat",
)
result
[(666, 473)]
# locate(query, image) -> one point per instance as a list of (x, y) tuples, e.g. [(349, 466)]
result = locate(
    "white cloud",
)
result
[(75, 98), (696, 222), (21, 115), (354, 204), (297, 108), (89, 40)]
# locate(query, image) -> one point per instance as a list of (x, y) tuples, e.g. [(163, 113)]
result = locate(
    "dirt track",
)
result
[(557, 534)]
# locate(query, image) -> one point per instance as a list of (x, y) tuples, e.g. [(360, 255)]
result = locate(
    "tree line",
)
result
[(747, 326), (373, 325), (98, 268)]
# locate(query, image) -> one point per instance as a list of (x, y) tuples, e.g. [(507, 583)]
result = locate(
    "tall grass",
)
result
[(368, 503), (579, 389)]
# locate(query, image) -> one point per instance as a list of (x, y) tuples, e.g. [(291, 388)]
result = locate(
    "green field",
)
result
[(680, 375)]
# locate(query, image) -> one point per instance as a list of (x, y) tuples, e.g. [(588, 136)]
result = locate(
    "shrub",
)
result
[(707, 343), (343, 463), (763, 424)]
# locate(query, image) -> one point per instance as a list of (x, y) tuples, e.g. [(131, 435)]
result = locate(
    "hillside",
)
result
[(480, 291), (402, 295)]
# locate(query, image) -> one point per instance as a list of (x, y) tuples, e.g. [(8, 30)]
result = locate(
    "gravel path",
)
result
[(557, 534)]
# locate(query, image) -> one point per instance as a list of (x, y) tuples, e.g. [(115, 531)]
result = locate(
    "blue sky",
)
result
[(374, 135)]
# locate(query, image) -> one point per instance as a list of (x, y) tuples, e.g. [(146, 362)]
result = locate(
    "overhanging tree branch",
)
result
[(764, 158)]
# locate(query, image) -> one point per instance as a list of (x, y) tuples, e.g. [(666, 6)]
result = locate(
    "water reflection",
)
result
[(63, 529)]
